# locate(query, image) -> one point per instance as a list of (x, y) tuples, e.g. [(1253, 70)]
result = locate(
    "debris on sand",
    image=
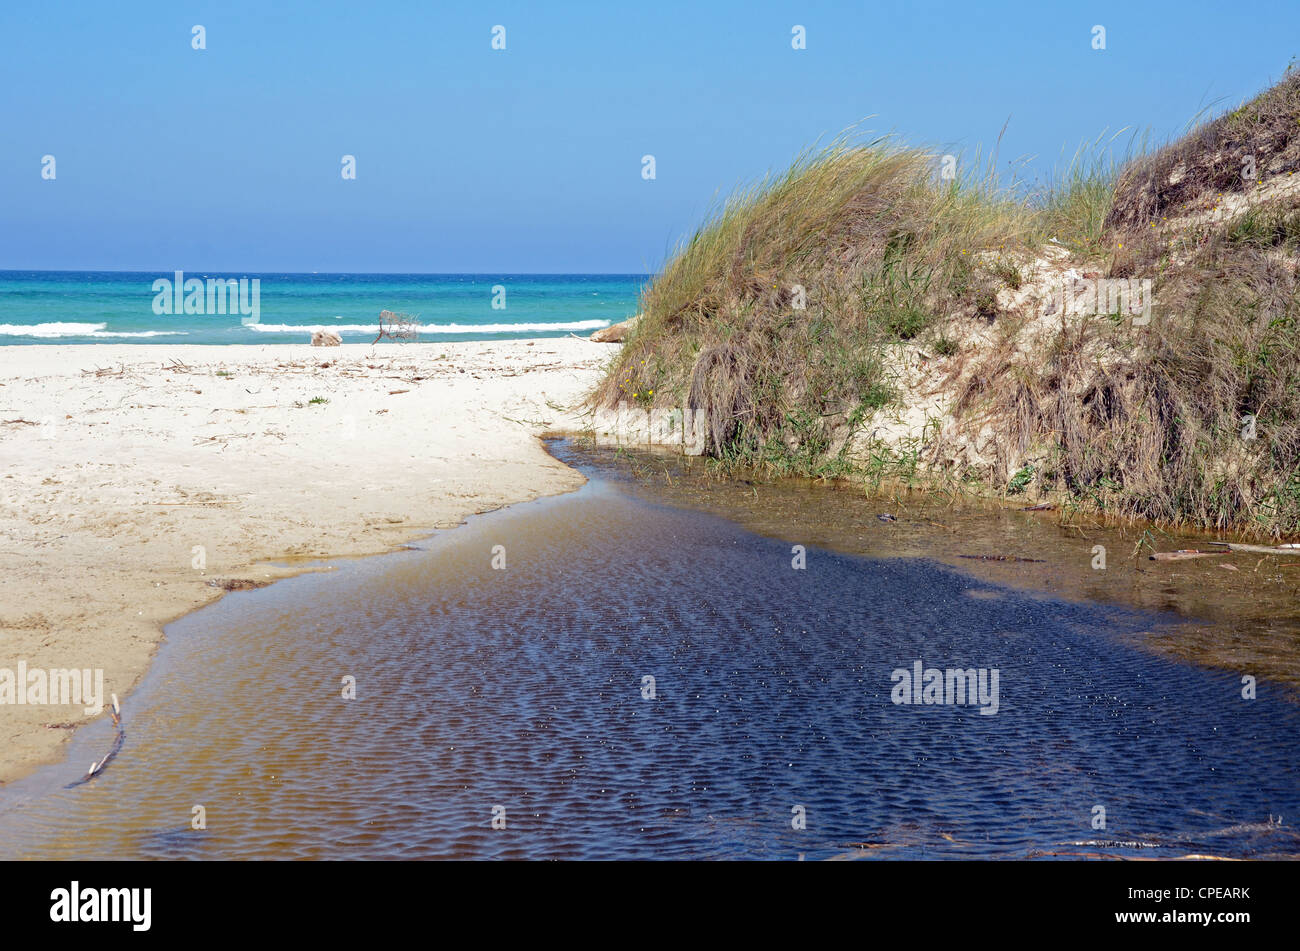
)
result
[(615, 333), (1288, 549), (236, 584), (1002, 558)]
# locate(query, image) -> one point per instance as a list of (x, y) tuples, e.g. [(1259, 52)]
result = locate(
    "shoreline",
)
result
[(280, 649), (144, 482), (128, 460)]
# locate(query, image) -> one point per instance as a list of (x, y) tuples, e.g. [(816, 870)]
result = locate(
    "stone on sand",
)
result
[(615, 333)]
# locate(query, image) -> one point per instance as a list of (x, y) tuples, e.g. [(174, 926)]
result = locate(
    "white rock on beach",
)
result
[(326, 338), (615, 333)]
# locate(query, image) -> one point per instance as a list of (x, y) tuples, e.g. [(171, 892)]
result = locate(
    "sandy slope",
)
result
[(117, 462)]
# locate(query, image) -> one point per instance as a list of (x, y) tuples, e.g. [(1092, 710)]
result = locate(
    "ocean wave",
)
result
[(435, 328), (140, 333), (512, 328), (311, 328), (50, 330), (80, 330)]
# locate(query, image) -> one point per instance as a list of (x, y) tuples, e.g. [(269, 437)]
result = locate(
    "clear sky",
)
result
[(530, 159)]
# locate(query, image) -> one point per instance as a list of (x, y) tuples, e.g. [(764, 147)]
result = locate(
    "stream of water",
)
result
[(507, 712)]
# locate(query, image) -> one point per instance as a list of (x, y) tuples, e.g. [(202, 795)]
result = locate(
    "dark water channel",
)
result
[(521, 695)]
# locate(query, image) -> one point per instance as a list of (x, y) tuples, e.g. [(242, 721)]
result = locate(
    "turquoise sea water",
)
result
[(119, 306)]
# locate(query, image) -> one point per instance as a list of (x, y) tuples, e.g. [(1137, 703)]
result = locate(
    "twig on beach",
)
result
[(98, 767), (543, 423), (1184, 554), (397, 326), (1133, 858), (1038, 853), (1207, 858), (1002, 558), (1288, 549), (236, 584), (220, 439)]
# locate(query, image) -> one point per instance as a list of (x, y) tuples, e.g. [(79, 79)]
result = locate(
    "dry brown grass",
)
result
[(1149, 422), (879, 247), (1141, 421), (1210, 161)]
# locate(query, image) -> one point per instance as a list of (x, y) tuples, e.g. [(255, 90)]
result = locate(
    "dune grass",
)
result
[(774, 314), (1196, 420), (1073, 205), (784, 316)]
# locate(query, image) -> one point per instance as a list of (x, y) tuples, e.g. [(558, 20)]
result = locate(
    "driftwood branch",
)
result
[(98, 767), (397, 326), (1291, 549)]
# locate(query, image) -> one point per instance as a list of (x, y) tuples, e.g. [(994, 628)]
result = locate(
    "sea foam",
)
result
[(434, 328), (50, 330)]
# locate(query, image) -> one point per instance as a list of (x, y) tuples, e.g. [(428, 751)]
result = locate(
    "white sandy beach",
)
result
[(135, 478)]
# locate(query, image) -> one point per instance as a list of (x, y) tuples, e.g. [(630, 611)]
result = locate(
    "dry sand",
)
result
[(136, 477)]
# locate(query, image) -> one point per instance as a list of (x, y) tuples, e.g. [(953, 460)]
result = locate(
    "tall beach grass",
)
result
[(784, 314)]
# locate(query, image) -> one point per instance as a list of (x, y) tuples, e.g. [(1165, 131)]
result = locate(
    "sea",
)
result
[(124, 306)]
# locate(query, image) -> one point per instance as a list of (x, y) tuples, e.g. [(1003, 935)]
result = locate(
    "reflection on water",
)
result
[(521, 692)]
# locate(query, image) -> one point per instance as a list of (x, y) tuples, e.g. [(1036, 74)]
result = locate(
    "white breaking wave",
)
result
[(80, 330), (141, 333), (311, 328), (50, 330), (433, 328), (511, 328)]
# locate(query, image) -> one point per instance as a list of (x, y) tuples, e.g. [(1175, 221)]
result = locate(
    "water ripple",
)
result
[(518, 694)]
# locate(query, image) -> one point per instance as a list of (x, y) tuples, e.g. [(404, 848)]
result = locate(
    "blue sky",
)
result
[(529, 159)]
